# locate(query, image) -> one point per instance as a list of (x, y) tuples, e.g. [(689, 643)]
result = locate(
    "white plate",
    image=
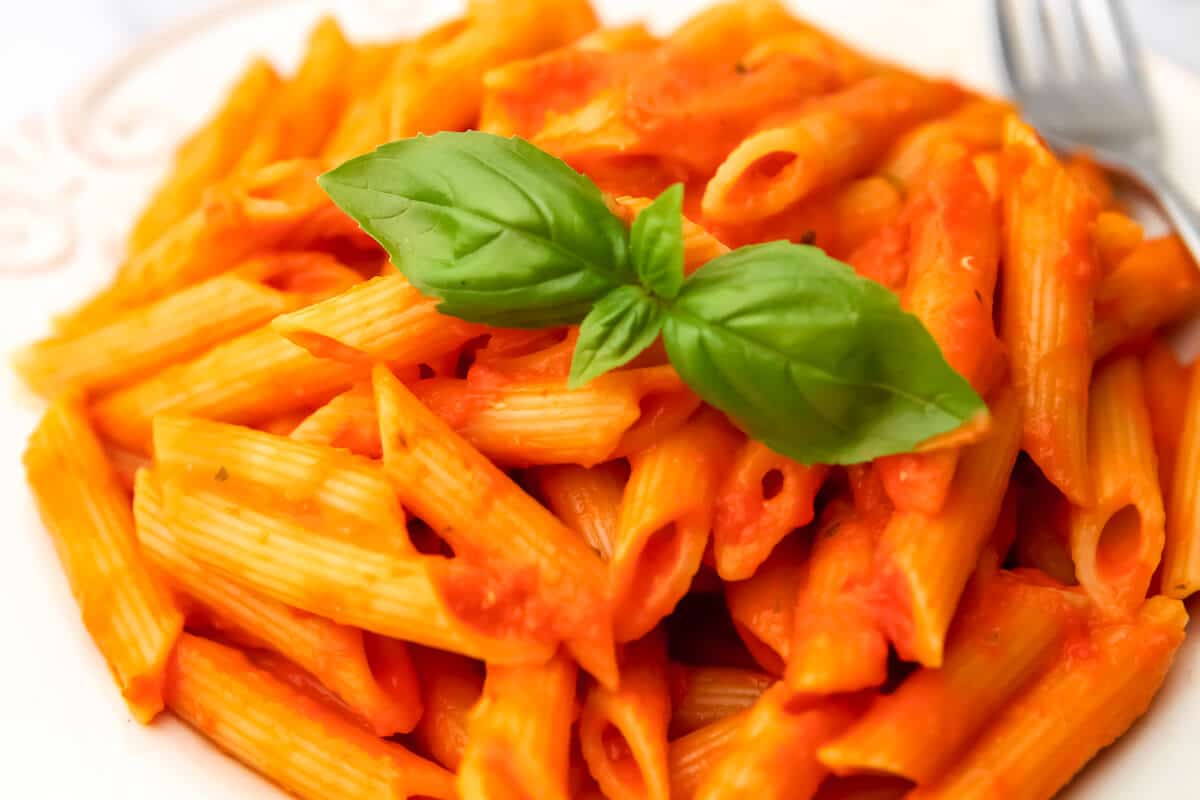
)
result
[(69, 185)]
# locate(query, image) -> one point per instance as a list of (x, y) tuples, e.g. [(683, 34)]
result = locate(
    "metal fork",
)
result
[(1083, 96)]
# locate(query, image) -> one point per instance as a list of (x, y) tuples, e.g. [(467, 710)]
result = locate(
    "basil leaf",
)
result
[(502, 232), (624, 323), (656, 243), (819, 364)]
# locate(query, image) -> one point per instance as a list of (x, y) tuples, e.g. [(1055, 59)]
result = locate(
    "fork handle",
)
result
[(1180, 210)]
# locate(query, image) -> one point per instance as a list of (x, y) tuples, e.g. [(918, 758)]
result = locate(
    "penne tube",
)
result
[(422, 599), (1092, 178), (177, 327), (1091, 692), (1181, 556), (691, 757), (666, 516), (125, 464), (384, 319), (364, 124), (1156, 284), (308, 748), (1117, 237), (836, 643), (237, 381), (307, 107), (130, 616), (544, 422), (763, 608), (829, 140), (1005, 633), (451, 685), (442, 89), (953, 257), (1046, 319), (623, 732), (774, 753), (864, 207), (346, 496), (483, 515), (1117, 543), (519, 734), (974, 128), (208, 155), (333, 654), (701, 696), (923, 562), (1166, 383), (260, 211), (587, 500), (347, 422), (763, 498)]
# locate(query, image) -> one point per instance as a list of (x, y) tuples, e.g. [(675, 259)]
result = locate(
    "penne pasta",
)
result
[(1088, 696), (691, 757), (1165, 381), (1117, 542), (306, 108), (1117, 236), (233, 382), (701, 696), (142, 340), (623, 733), (831, 139), (384, 319), (774, 753), (451, 685), (923, 562), (666, 516), (519, 733), (345, 495), (535, 422), (347, 422), (333, 654), (763, 608), (974, 128), (307, 748), (1181, 555), (1046, 323), (130, 616), (764, 497), (587, 500), (1005, 633), (422, 599), (437, 475), (1156, 284), (836, 642), (237, 219)]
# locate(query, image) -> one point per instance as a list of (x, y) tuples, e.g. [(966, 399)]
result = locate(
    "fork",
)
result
[(1080, 98)]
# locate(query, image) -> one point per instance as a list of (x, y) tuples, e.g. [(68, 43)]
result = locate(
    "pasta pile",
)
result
[(375, 551)]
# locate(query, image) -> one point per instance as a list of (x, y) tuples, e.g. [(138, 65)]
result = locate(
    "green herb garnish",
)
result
[(821, 365)]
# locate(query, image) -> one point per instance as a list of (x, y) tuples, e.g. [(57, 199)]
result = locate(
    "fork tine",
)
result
[(1127, 44), (1006, 26), (1089, 62), (1049, 54)]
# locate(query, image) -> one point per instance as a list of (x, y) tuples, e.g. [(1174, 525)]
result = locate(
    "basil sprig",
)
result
[(821, 365)]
